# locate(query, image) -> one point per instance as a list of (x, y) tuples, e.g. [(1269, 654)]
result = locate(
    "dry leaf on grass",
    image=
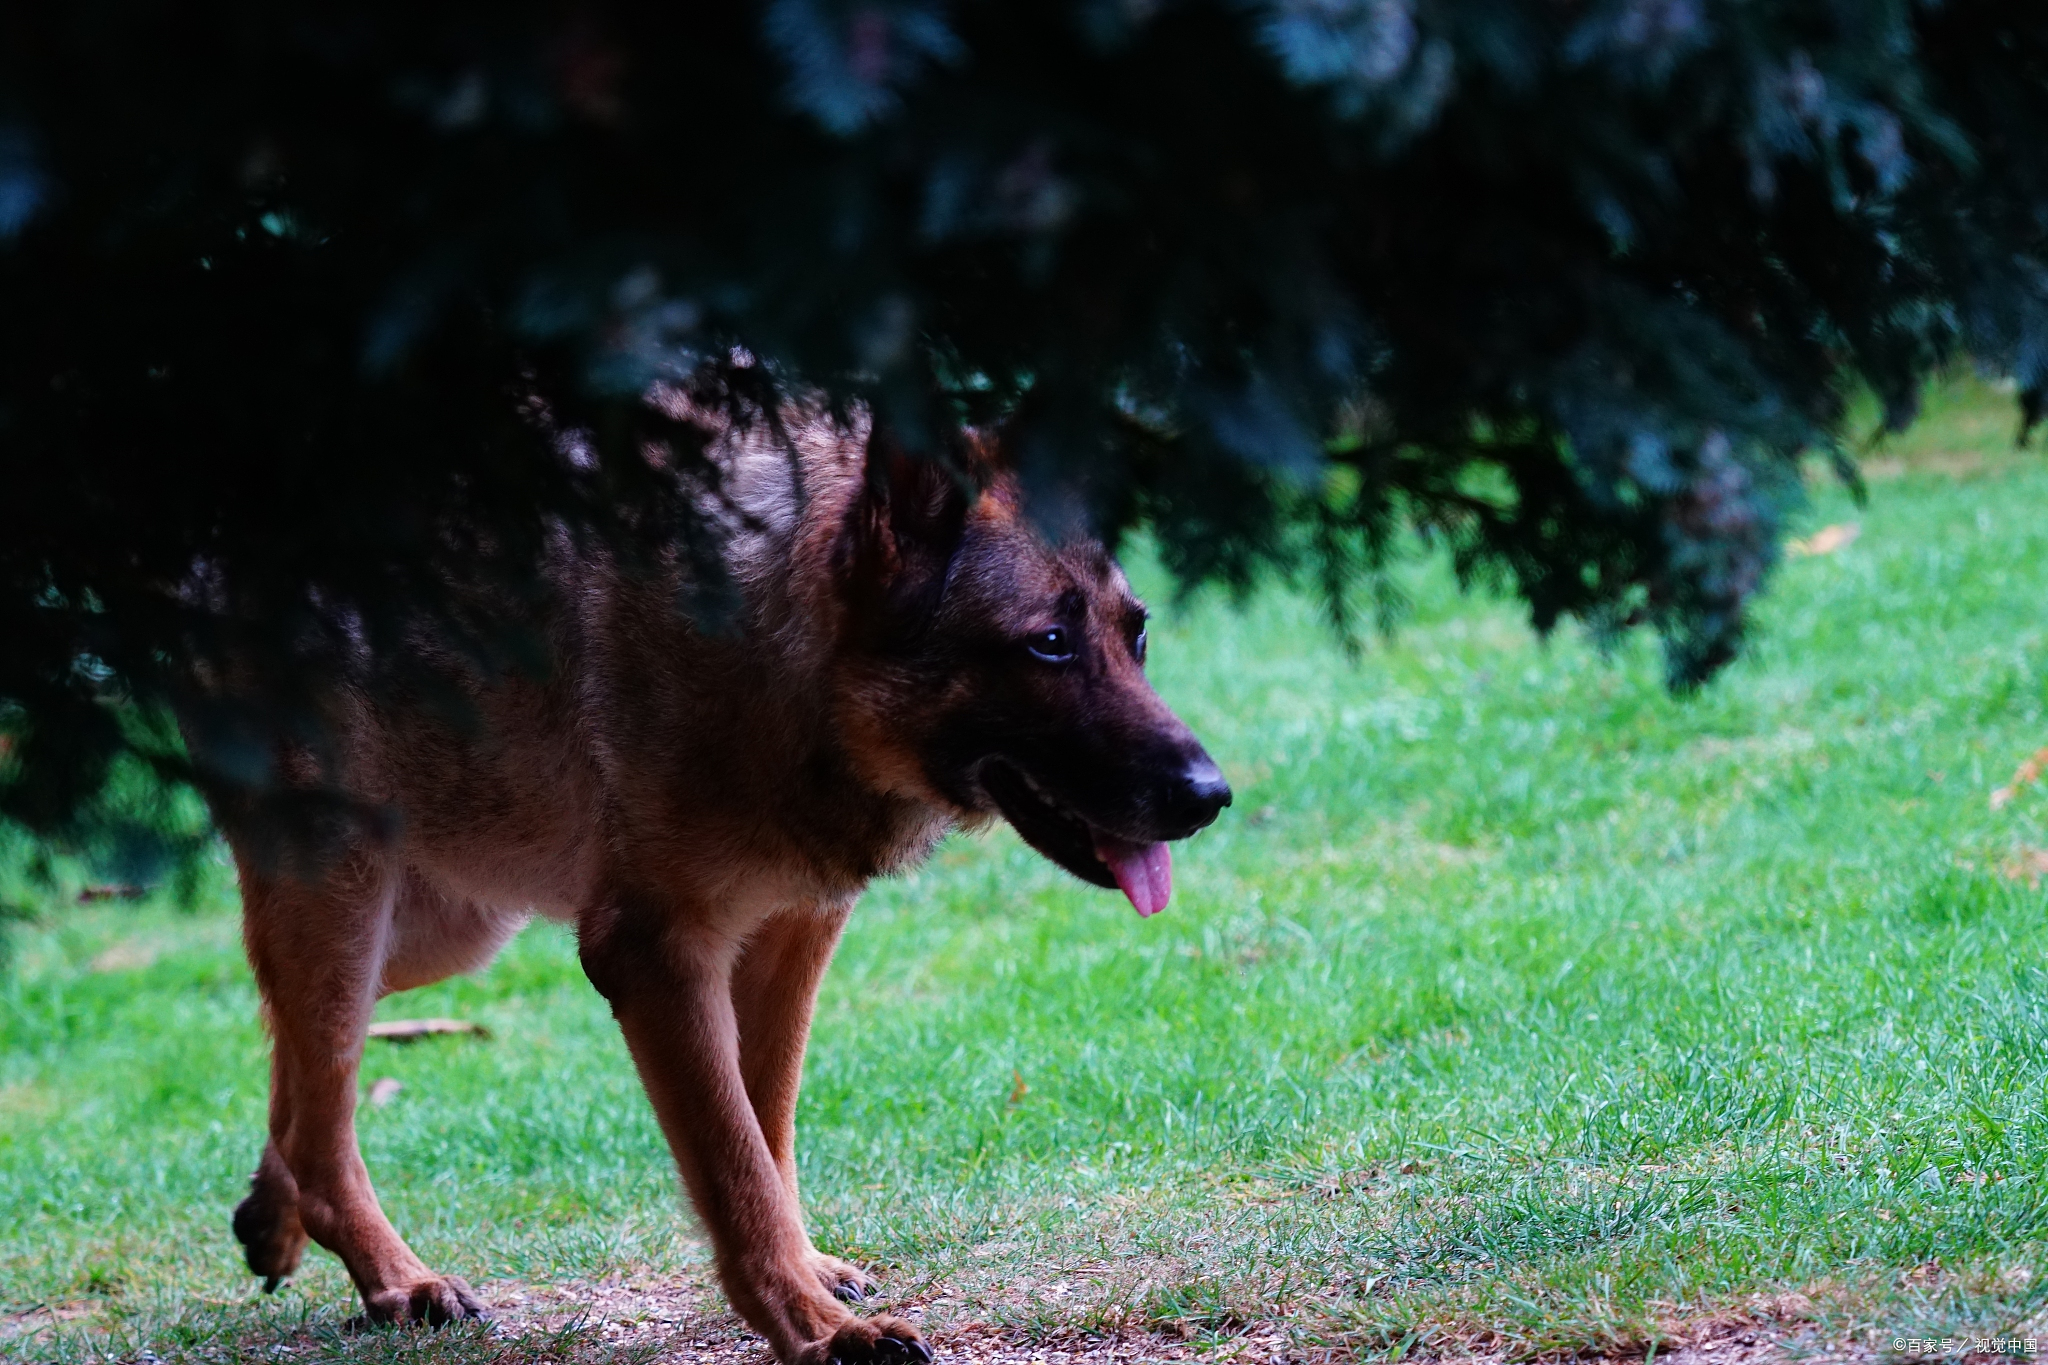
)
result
[(383, 1090), (2028, 865), (2027, 774), (410, 1030), (1826, 540)]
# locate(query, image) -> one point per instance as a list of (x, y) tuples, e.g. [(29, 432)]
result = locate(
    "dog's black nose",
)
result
[(1201, 792)]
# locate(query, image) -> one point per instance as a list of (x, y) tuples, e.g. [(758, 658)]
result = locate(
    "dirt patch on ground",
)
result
[(44, 1316), (681, 1321), (686, 1323), (1767, 1338)]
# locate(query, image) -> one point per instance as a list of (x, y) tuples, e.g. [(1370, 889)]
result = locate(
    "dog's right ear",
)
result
[(900, 537)]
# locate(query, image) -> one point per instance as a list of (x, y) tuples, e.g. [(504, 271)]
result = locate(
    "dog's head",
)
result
[(998, 673)]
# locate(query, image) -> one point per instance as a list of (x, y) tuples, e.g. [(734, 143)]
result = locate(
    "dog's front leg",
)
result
[(671, 991), (774, 990)]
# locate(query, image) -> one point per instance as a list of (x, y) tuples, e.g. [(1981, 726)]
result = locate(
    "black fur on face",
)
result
[(1019, 670)]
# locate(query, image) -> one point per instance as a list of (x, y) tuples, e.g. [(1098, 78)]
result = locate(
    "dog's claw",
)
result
[(271, 1282), (922, 1352), (844, 1280)]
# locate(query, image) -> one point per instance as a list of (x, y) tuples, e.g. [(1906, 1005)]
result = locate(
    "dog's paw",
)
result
[(870, 1341), (434, 1302), (272, 1238), (843, 1280)]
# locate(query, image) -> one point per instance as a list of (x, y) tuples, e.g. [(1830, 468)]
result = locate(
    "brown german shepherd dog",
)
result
[(912, 656)]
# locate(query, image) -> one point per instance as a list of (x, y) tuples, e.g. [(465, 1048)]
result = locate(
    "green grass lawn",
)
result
[(1516, 1007)]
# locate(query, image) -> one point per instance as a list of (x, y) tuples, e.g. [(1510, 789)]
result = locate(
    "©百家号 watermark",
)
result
[(1967, 1346)]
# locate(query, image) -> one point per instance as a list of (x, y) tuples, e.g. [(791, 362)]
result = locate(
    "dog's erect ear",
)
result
[(900, 536)]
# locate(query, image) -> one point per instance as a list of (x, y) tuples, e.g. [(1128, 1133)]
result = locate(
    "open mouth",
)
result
[(1142, 871)]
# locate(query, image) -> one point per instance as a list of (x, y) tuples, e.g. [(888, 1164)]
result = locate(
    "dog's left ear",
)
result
[(900, 537)]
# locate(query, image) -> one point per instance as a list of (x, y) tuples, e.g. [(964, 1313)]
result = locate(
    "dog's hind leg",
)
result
[(319, 949), (267, 1221), (774, 987)]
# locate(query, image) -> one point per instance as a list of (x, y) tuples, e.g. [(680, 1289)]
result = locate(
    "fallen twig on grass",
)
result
[(1825, 541), (412, 1030)]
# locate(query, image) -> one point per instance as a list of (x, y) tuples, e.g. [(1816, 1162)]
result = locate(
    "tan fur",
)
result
[(706, 809)]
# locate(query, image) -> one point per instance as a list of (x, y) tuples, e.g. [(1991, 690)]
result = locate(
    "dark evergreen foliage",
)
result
[(298, 301)]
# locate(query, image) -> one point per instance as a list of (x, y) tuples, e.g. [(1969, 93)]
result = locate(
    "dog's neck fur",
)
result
[(772, 706)]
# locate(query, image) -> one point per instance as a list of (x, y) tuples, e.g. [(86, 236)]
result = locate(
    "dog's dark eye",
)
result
[(1050, 645), (1138, 645)]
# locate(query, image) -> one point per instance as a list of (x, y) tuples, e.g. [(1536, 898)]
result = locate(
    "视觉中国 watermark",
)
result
[(1966, 1346)]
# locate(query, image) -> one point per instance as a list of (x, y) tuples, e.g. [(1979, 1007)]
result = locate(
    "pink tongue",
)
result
[(1143, 871)]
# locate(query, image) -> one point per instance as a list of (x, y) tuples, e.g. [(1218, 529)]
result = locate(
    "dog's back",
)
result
[(715, 757)]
